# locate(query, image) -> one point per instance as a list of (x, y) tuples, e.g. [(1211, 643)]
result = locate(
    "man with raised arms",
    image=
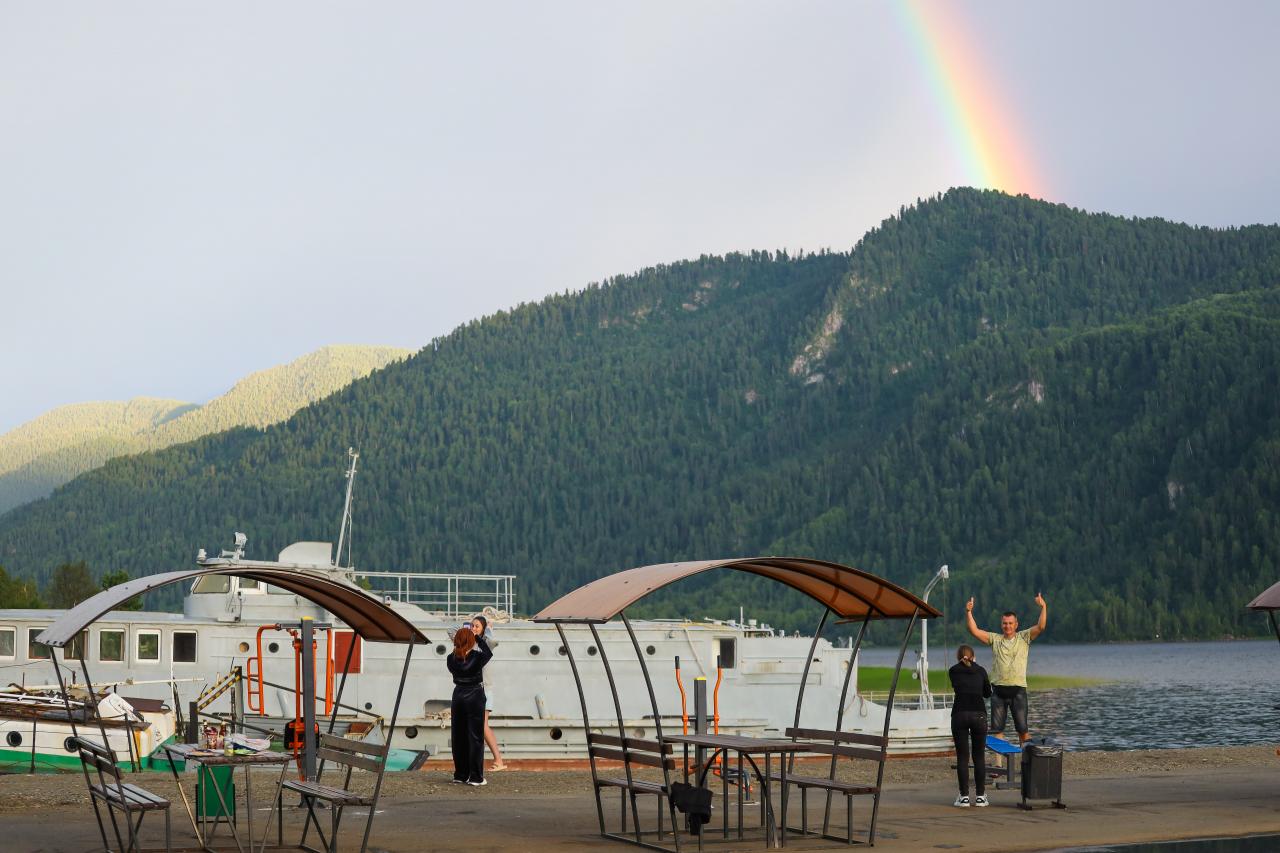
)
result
[(1009, 650)]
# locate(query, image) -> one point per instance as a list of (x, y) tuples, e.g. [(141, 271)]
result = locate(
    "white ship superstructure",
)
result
[(536, 712)]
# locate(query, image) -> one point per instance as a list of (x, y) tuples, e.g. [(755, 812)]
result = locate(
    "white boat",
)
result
[(36, 728), (536, 711)]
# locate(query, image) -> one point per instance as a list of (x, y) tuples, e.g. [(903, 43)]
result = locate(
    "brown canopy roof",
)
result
[(1268, 600), (364, 613), (850, 593)]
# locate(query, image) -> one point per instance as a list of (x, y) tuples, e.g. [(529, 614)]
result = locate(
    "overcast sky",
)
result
[(191, 192)]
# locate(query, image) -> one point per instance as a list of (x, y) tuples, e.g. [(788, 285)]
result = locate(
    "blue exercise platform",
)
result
[(1006, 776)]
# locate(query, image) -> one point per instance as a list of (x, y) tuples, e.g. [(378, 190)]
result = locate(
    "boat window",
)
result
[(111, 646), (148, 646), (213, 583), (8, 643), (36, 651), (184, 646), (77, 648), (727, 649), (247, 584), (275, 590)]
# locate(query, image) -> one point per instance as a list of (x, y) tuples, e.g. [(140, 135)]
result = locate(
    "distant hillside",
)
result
[(44, 453), (1042, 398)]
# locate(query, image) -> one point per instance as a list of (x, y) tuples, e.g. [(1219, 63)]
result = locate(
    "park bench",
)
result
[(634, 754), (345, 753), (850, 745), (118, 796)]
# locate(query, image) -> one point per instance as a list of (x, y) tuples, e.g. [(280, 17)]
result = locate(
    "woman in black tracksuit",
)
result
[(969, 724), (466, 663)]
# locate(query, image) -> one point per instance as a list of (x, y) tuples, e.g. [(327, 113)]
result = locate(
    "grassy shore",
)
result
[(877, 679)]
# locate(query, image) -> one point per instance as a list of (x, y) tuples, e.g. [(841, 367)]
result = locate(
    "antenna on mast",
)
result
[(346, 511)]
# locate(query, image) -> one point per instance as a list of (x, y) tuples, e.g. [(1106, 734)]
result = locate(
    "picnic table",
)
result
[(246, 758), (746, 747)]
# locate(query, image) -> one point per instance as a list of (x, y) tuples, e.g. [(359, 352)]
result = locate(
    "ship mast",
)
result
[(346, 511)]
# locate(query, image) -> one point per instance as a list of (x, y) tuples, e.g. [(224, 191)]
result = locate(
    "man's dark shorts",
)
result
[(1004, 699)]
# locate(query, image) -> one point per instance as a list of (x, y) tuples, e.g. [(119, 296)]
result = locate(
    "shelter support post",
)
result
[(888, 713), (844, 695), (1271, 614), (391, 733), (657, 724), (307, 665), (628, 794), (808, 662), (75, 733), (586, 722)]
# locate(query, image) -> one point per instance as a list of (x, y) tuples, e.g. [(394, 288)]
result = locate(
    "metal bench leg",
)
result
[(168, 836), (848, 812), (804, 811)]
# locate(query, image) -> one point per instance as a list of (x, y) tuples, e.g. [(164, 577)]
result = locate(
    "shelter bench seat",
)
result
[(633, 753), (116, 794), (851, 745), (345, 753)]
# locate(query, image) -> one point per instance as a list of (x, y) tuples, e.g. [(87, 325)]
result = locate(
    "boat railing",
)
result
[(911, 701), (454, 596)]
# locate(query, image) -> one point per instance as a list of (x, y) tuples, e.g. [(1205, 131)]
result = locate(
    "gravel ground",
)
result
[(20, 793)]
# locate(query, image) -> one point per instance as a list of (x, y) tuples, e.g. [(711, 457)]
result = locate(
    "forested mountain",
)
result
[(44, 453), (1044, 399)]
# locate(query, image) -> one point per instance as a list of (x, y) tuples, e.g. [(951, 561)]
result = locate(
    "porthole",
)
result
[(591, 650), (368, 706), (244, 647), (533, 650), (650, 650), (273, 647), (562, 650), (639, 732), (70, 745), (411, 732), (13, 738), (440, 649), (556, 734)]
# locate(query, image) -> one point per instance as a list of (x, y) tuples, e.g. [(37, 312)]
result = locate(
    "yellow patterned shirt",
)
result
[(1009, 658)]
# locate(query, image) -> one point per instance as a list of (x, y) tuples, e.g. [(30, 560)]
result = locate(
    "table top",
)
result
[(739, 743), (194, 752)]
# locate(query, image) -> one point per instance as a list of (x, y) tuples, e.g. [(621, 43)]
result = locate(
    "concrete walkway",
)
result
[(1101, 811)]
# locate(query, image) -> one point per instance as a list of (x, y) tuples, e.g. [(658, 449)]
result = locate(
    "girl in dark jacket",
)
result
[(969, 724), (466, 663)]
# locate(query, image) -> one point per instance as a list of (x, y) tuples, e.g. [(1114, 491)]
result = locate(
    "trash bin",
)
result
[(1042, 772), (209, 780)]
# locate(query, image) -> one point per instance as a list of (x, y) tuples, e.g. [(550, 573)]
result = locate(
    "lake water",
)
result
[(1156, 695)]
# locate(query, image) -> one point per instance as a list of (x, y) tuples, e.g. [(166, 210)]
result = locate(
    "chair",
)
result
[(833, 743), (344, 752), (118, 795), (634, 753)]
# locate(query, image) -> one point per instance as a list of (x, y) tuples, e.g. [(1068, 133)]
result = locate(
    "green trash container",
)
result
[(207, 804)]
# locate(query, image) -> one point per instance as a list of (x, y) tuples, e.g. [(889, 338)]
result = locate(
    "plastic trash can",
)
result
[(1042, 772)]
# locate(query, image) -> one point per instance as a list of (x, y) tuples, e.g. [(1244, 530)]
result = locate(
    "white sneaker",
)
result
[(478, 784), (981, 801), (962, 802)]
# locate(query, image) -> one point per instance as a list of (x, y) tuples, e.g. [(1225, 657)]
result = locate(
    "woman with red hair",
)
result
[(466, 664)]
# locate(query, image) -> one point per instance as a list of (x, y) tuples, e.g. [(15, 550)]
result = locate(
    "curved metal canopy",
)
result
[(365, 614), (1268, 600), (850, 593)]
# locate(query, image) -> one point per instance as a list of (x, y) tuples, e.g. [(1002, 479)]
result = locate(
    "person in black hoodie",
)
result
[(969, 724), (466, 664)]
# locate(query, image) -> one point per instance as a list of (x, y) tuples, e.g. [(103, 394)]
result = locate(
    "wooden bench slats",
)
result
[(134, 798), (632, 743), (845, 751), (349, 745), (326, 792), (635, 785), (831, 784), (347, 758), (645, 758), (836, 737)]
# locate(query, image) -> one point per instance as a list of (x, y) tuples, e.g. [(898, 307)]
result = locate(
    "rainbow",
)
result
[(980, 126)]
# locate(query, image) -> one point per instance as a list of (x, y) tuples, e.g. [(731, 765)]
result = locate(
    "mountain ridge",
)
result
[(1043, 398), (38, 456)]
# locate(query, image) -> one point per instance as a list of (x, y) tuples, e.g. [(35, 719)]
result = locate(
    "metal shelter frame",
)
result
[(1269, 601), (366, 615), (850, 594)]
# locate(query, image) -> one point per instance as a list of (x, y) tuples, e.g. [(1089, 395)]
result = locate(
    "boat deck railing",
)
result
[(911, 701), (454, 596)]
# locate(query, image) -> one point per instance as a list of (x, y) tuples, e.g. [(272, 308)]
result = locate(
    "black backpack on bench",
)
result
[(694, 803)]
